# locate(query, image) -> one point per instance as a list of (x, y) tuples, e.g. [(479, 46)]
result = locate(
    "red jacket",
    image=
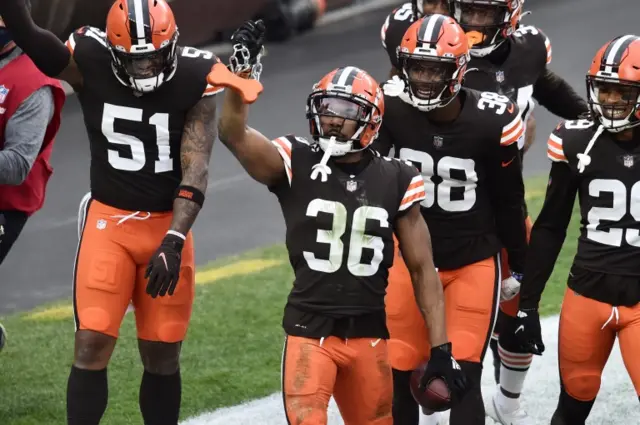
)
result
[(18, 80)]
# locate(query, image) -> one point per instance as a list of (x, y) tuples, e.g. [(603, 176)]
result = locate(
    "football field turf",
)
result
[(231, 355)]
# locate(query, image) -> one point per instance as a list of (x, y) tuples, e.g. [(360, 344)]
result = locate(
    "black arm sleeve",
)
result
[(556, 95), (548, 234), (46, 50), (508, 200)]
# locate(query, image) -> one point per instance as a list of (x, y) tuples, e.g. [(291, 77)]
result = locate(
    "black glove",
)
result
[(250, 36), (443, 365), (525, 331), (163, 270)]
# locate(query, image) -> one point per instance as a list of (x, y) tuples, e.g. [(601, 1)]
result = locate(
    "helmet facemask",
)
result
[(615, 102), (339, 121), (431, 82), (145, 68)]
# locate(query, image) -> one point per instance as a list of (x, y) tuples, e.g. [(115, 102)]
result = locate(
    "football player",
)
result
[(465, 143), (512, 60), (597, 159), (340, 226), (150, 116)]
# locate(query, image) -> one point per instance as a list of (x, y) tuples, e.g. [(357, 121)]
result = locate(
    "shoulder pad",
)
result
[(200, 63), (535, 39), (499, 109), (566, 134), (86, 33)]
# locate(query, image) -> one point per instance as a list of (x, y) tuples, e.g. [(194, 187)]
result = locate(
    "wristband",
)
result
[(190, 193)]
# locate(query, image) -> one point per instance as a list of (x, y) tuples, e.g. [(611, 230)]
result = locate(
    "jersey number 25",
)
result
[(357, 242)]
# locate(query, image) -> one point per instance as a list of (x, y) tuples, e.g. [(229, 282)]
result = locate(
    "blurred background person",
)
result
[(30, 108)]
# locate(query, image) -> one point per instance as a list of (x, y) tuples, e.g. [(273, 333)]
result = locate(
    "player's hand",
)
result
[(510, 287), (250, 35), (442, 365), (248, 43), (163, 270), (526, 331)]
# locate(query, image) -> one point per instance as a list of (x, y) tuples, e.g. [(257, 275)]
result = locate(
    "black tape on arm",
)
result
[(190, 193), (46, 50)]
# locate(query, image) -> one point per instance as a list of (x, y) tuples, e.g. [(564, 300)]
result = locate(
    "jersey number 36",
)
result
[(358, 240)]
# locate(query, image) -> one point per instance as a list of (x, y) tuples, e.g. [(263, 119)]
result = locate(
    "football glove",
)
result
[(442, 365), (525, 331), (163, 270), (248, 45), (510, 287)]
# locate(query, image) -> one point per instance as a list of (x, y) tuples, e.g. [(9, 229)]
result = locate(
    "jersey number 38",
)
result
[(358, 240)]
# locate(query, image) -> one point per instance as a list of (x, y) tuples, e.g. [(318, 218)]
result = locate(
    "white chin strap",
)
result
[(321, 169), (484, 51)]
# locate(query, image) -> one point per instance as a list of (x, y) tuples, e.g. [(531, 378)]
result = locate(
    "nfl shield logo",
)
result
[(352, 186), (627, 161), (500, 76), (437, 141), (3, 93)]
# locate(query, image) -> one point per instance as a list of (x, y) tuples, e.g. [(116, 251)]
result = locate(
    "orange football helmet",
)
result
[(433, 58), (142, 37), (613, 84), (488, 23), (347, 94)]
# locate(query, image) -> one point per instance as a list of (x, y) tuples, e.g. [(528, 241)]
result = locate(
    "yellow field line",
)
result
[(204, 277)]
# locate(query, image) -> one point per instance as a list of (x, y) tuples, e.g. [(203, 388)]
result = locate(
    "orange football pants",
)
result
[(471, 296), (588, 329), (114, 250), (355, 371), (510, 308)]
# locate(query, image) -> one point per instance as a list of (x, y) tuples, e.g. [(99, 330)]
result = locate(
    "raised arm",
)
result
[(257, 154), (49, 54)]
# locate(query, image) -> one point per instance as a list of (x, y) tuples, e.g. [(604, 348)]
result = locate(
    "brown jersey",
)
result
[(340, 232), (135, 140), (473, 191)]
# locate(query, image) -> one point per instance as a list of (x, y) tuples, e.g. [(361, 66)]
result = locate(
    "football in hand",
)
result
[(436, 397)]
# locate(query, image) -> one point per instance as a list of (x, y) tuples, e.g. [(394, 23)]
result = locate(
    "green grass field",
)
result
[(232, 352)]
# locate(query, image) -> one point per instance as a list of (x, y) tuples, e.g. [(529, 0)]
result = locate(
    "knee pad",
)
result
[(96, 319), (582, 386), (403, 356)]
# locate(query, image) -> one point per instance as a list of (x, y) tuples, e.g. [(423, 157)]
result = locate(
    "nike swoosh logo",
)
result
[(374, 343), (166, 266), (520, 328), (506, 164)]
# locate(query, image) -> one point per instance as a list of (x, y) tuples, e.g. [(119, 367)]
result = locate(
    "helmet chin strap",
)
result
[(322, 169)]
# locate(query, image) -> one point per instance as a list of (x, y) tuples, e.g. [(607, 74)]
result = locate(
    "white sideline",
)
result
[(616, 401)]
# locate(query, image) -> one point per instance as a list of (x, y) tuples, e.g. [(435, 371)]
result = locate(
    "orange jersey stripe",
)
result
[(511, 136), (285, 145), (409, 200)]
